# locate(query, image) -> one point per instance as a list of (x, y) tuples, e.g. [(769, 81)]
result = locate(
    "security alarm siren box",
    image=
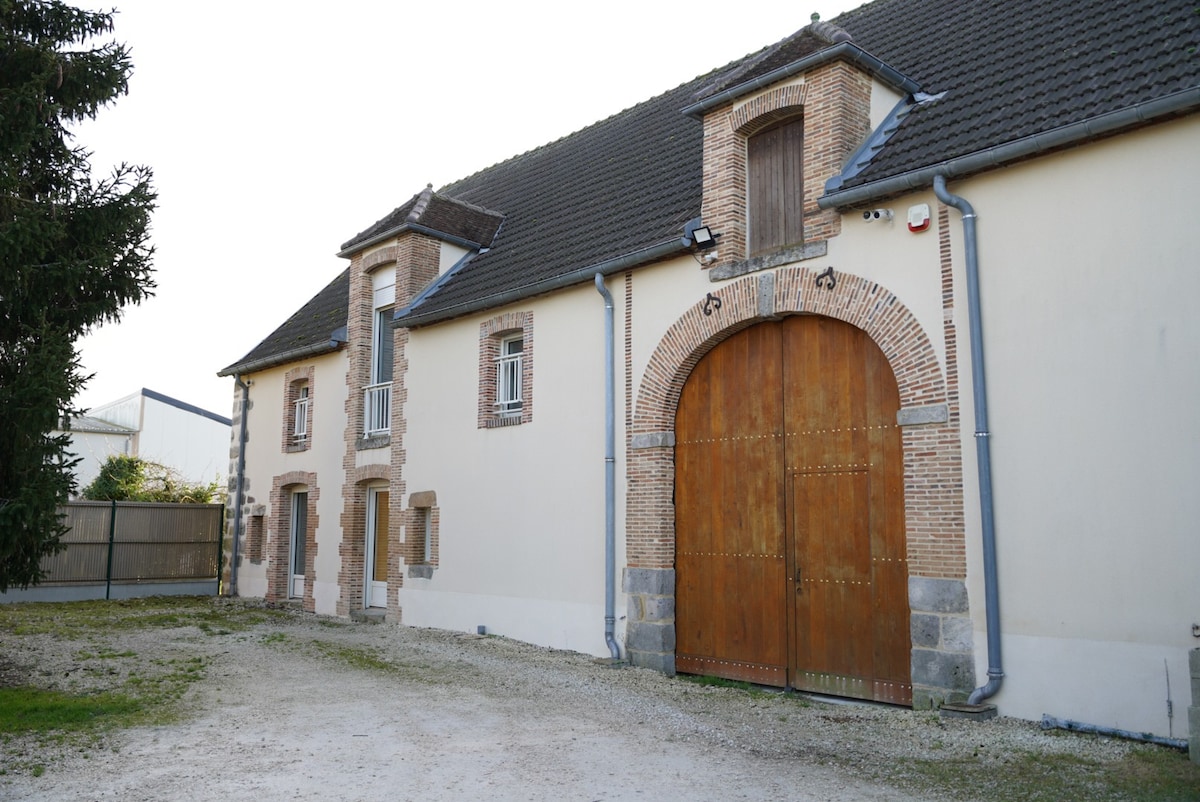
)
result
[(918, 217)]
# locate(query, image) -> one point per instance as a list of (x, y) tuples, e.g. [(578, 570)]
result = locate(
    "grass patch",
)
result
[(78, 620), (354, 656), (27, 710), (720, 682), (1146, 774)]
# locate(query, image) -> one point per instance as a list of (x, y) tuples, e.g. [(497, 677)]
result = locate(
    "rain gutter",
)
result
[(608, 268), (610, 475), (1093, 128), (991, 593), (314, 349)]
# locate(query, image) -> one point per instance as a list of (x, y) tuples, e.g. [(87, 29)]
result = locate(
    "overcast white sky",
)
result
[(278, 130)]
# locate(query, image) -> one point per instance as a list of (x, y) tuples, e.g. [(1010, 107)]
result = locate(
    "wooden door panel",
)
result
[(380, 549), (790, 547), (730, 566), (833, 572)]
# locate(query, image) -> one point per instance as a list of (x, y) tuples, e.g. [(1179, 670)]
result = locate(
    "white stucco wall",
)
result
[(266, 459), (1091, 348), (522, 507), (1091, 351)]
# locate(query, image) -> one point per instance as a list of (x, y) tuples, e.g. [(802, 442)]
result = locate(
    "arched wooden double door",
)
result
[(789, 492)]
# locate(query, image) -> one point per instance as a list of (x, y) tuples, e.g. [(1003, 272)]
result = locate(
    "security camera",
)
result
[(710, 257), (877, 214)]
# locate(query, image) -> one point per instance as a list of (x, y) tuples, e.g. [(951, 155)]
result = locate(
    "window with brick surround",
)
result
[(508, 377), (298, 409), (377, 395), (421, 544), (254, 538), (506, 370), (775, 186)]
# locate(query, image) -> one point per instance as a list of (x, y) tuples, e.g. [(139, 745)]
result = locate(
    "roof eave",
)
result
[(282, 358), (633, 259), (349, 250), (846, 51), (1172, 105)]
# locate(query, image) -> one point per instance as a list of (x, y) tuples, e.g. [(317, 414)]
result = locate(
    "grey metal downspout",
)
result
[(610, 476), (983, 450), (241, 484)]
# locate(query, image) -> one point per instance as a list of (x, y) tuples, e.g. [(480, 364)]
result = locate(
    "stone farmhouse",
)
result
[(865, 365)]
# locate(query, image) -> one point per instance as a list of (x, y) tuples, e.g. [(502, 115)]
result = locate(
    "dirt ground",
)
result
[(301, 707)]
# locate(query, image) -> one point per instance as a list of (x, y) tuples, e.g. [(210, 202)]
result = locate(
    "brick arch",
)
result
[(862, 303), (278, 570), (379, 258), (352, 545), (933, 491), (933, 501), (762, 110)]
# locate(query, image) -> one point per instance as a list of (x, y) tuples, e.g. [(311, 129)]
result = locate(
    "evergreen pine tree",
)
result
[(73, 252)]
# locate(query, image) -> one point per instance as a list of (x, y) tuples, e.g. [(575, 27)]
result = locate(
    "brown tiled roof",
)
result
[(1002, 73), (1011, 71), (318, 327), (438, 214)]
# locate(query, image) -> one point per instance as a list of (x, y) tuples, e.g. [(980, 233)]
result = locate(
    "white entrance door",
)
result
[(299, 528), (375, 589)]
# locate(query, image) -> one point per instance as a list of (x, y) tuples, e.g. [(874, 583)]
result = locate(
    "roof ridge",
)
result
[(423, 197)]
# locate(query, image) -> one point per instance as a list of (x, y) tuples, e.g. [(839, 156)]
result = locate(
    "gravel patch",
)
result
[(306, 707)]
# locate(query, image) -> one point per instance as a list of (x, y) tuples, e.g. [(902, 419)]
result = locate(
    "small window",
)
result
[(300, 420), (425, 533), (506, 370), (509, 374), (298, 409), (421, 535), (254, 538)]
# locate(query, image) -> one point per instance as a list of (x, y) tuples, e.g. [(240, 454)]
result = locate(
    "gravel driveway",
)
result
[(301, 707)]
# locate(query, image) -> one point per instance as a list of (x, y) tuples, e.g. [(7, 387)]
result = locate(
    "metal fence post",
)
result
[(221, 553), (112, 531)]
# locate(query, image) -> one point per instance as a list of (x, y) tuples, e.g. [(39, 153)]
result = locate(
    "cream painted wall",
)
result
[(265, 460), (521, 507), (1092, 346)]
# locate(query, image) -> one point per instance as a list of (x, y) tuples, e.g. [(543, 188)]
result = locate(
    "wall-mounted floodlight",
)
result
[(701, 241)]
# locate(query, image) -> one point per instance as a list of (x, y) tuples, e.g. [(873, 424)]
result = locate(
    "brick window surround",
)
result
[(492, 333), (279, 537), (423, 517), (293, 381), (832, 100)]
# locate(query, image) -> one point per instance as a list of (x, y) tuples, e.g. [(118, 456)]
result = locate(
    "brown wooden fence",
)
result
[(111, 545)]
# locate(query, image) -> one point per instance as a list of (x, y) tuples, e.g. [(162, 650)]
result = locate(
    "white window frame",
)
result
[(510, 373), (377, 396), (300, 420)]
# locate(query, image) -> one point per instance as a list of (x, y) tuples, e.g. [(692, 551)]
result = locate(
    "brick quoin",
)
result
[(932, 453), (415, 258)]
